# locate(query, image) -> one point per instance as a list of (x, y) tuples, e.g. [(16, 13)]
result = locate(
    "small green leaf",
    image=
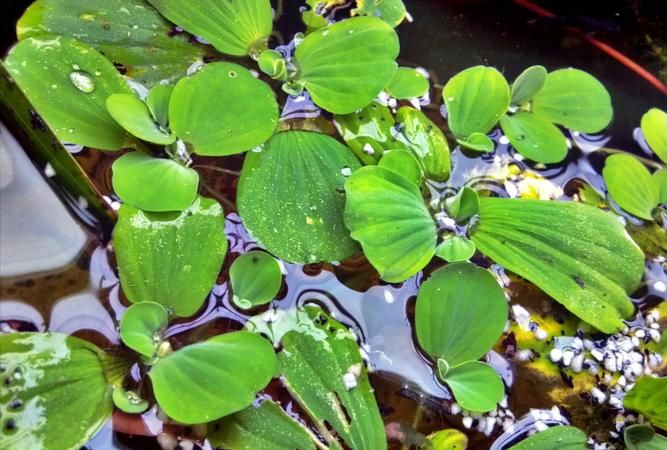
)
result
[(455, 249), (580, 256), (448, 439), (448, 302), (386, 213), (443, 368), (142, 325), (528, 84), (158, 103), (134, 116), (214, 378), (643, 437), (407, 83), (534, 137), (426, 141), (128, 401), (476, 386), (654, 128), (391, 11), (475, 100), (554, 438), (463, 205), (222, 110), (403, 163), (649, 397), (235, 28), (574, 99), (290, 197), (660, 180), (154, 184), (631, 186), (478, 142), (273, 64), (256, 278), (68, 82), (344, 66), (170, 258)]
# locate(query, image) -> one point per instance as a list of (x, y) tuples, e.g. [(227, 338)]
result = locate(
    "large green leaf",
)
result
[(134, 115), (222, 110), (528, 84), (154, 184), (44, 379), (290, 197), (579, 255), (654, 128), (407, 83), (534, 137), (386, 213), (265, 427), (475, 100), (649, 397), (631, 185), (321, 366), (643, 437), (344, 66), (574, 99), (212, 379), (142, 325), (449, 301), (169, 258), (127, 32), (237, 27), (68, 82), (476, 386), (555, 438), (256, 278)]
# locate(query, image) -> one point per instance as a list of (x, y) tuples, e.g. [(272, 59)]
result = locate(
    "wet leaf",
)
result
[(158, 103), (649, 397), (475, 100), (643, 437), (654, 129), (528, 84), (574, 99), (134, 116), (403, 163), (476, 386), (322, 367), (631, 185), (154, 184), (265, 427), (554, 438), (478, 142), (127, 32), (455, 249), (580, 256), (142, 325), (660, 180), (344, 66), (448, 439), (256, 278), (391, 11), (41, 373), (214, 378), (386, 213), (463, 205), (290, 197), (128, 401), (223, 110), (60, 78), (534, 137), (170, 258), (407, 83), (233, 27)]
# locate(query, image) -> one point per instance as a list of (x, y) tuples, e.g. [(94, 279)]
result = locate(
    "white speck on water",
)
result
[(49, 171), (659, 286), (504, 140)]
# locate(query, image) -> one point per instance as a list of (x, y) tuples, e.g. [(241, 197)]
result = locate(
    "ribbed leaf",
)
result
[(631, 185), (528, 84), (554, 438), (654, 128), (426, 141)]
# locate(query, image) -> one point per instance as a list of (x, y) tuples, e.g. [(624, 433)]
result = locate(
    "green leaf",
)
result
[(344, 66), (407, 83), (385, 212), (321, 366), (448, 302), (476, 386), (643, 437), (391, 11), (134, 116), (660, 180), (426, 141), (170, 258), (455, 249), (534, 137), (142, 325), (554, 438), (127, 32), (654, 129), (41, 374), (256, 278), (154, 184), (475, 100), (128, 401), (223, 110), (233, 27), (580, 256), (265, 427), (631, 185), (574, 99), (68, 82), (649, 397), (212, 379), (448, 439), (290, 197), (478, 142), (403, 163), (463, 205), (528, 84), (273, 64), (158, 103)]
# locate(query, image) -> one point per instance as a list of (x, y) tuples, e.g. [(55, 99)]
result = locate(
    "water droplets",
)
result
[(82, 80), (346, 171)]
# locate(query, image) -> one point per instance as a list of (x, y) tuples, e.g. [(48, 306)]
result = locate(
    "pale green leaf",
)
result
[(476, 386), (555, 438), (158, 103), (649, 397), (455, 249), (631, 185), (134, 116), (256, 278), (478, 142), (654, 128), (128, 401), (403, 163), (528, 84), (534, 137), (142, 325), (407, 83), (447, 439), (463, 205), (660, 180)]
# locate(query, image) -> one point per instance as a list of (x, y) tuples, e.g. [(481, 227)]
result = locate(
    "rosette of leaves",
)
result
[(448, 302)]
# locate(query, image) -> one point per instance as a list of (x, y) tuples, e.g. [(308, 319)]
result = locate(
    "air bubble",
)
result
[(82, 81)]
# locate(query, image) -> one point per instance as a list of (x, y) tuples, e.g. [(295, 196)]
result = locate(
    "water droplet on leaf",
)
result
[(82, 81)]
